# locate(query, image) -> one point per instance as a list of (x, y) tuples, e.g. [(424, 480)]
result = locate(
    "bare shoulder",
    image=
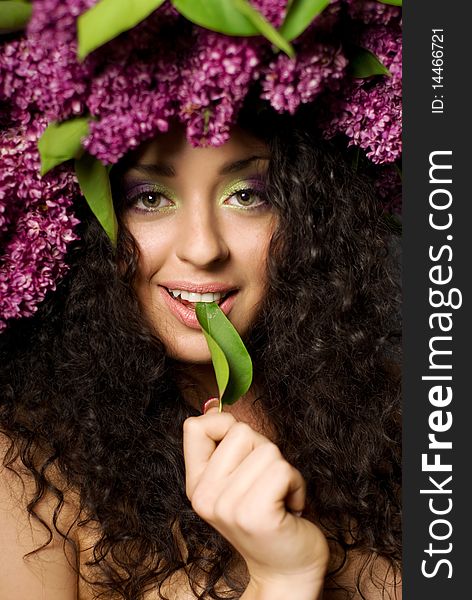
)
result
[(365, 577), (47, 573)]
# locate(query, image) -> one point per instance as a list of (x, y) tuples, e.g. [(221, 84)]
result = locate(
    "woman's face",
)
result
[(203, 227)]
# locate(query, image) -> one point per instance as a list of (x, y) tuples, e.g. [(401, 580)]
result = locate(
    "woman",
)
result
[(115, 416), (114, 483)]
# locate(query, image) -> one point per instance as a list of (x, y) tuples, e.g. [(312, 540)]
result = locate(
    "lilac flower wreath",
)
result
[(90, 79)]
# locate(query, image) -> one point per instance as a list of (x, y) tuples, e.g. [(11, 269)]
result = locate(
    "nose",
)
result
[(201, 240)]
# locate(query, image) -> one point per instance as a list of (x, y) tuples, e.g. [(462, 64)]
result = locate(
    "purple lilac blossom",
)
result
[(369, 111), (214, 82), (132, 96), (132, 102), (319, 65), (40, 72), (386, 44), (288, 83), (36, 224), (38, 79), (373, 11), (57, 17), (273, 10)]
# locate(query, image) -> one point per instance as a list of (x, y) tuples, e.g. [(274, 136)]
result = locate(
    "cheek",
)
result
[(153, 248), (251, 247)]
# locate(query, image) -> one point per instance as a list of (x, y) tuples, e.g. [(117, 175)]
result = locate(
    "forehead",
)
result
[(172, 148)]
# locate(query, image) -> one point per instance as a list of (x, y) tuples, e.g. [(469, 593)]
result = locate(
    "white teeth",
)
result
[(196, 297), (209, 297)]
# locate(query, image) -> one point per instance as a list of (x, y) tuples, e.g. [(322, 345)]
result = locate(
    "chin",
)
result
[(190, 353)]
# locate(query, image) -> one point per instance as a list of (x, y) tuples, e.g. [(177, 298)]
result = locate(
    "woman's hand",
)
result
[(239, 482)]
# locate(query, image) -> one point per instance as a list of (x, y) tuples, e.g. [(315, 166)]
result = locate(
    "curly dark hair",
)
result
[(86, 387)]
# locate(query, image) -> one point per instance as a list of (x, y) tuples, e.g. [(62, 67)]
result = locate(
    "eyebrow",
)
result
[(240, 165), (162, 169)]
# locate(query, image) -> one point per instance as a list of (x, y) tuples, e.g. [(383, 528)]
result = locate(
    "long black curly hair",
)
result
[(87, 389)]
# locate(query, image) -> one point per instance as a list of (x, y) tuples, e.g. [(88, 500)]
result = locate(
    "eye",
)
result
[(149, 200), (248, 198)]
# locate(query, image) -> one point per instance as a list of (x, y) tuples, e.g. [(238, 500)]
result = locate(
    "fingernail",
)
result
[(297, 513), (210, 403)]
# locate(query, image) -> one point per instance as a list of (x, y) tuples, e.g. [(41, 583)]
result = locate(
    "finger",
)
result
[(201, 435), (282, 486), (242, 479), (259, 493), (295, 499), (216, 500), (239, 442)]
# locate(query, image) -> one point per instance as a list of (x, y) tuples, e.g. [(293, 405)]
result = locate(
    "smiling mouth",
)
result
[(191, 298)]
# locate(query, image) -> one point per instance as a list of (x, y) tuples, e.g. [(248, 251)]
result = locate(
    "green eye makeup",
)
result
[(150, 198), (245, 195)]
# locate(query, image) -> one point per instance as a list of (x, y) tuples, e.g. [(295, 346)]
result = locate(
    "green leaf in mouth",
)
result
[(231, 360)]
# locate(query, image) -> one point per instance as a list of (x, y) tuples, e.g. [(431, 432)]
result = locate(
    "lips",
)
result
[(200, 288), (184, 310), (191, 298)]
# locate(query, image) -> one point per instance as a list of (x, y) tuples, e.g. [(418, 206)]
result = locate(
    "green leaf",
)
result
[(300, 14), (232, 17), (391, 2), (107, 19), (365, 64), (14, 15), (95, 185), (61, 142), (216, 15), (263, 26), (220, 365), (223, 339)]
